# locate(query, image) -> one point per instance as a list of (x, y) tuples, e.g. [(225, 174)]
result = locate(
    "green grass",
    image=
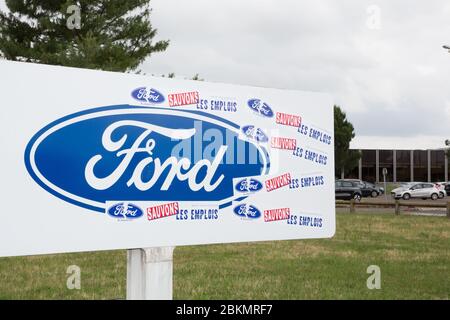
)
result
[(412, 252)]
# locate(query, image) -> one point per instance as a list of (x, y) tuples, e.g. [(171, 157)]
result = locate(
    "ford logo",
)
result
[(131, 153), (249, 185), (247, 211), (125, 210), (255, 133), (148, 95), (260, 107)]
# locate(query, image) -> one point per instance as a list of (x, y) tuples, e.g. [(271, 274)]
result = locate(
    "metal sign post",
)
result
[(385, 172), (150, 273)]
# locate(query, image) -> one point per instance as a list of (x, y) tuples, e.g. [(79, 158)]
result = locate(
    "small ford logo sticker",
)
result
[(255, 133), (148, 95), (125, 210), (247, 211), (260, 107), (248, 185)]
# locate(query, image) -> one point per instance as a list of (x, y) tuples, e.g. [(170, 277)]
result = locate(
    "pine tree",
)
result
[(345, 159), (106, 34)]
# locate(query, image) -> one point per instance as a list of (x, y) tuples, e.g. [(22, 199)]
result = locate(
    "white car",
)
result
[(417, 190), (441, 187), (402, 187)]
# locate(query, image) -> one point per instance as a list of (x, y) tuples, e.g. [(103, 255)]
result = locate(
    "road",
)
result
[(416, 210), (382, 198)]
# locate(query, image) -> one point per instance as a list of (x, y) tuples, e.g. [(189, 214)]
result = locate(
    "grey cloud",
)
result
[(302, 44), (391, 81)]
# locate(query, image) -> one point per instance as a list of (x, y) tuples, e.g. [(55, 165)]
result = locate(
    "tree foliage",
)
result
[(172, 75), (113, 35), (345, 159)]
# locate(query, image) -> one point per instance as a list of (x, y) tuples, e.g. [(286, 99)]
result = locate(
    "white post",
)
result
[(360, 166), (394, 166), (150, 273), (377, 166), (446, 166), (429, 165)]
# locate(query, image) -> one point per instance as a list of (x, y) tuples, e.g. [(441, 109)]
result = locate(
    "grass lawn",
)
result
[(413, 254)]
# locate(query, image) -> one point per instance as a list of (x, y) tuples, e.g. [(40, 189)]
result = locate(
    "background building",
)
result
[(406, 159)]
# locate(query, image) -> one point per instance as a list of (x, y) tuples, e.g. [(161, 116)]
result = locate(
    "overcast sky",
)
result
[(382, 61)]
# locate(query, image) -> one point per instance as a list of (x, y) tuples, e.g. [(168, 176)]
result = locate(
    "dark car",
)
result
[(346, 190), (367, 189), (447, 188), (380, 190)]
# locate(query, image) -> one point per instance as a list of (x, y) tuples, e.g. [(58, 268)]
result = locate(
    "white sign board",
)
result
[(96, 160)]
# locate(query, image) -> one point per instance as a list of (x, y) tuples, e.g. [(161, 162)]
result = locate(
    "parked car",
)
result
[(416, 190), (447, 188), (346, 190), (367, 189), (441, 186), (405, 185), (379, 190)]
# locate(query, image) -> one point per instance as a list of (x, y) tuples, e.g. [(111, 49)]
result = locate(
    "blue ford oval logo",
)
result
[(249, 185), (247, 211), (260, 107), (125, 210), (131, 153), (148, 95), (255, 133)]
